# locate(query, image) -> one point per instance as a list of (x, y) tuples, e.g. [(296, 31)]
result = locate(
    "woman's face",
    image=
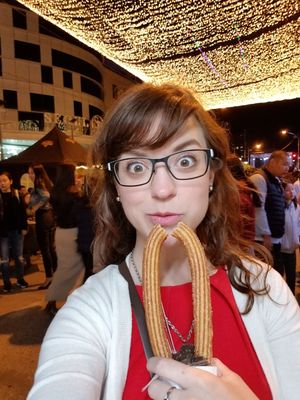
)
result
[(5, 183), (79, 180), (31, 174), (289, 192), (166, 200)]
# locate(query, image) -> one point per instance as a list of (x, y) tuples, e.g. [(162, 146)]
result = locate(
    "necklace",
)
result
[(135, 268), (168, 323)]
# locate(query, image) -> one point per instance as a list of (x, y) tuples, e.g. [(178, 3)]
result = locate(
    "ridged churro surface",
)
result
[(151, 293), (200, 291)]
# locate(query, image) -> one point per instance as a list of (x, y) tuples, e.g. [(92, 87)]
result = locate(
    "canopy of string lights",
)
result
[(230, 52)]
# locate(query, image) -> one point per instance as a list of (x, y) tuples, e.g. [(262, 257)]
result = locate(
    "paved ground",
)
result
[(23, 323)]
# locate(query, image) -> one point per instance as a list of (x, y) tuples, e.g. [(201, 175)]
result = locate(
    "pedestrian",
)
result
[(164, 162), (269, 218), (45, 225), (85, 221), (64, 200), (13, 227), (249, 198), (290, 239)]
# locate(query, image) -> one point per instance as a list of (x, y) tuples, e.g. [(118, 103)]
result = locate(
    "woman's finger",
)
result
[(159, 390)]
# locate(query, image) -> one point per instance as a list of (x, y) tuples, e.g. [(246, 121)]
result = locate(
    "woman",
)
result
[(64, 199), (249, 198), (164, 161), (13, 227), (44, 219), (290, 239)]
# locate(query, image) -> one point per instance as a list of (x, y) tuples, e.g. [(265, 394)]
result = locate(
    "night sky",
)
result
[(262, 123)]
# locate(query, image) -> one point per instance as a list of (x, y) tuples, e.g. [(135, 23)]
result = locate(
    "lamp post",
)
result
[(295, 136)]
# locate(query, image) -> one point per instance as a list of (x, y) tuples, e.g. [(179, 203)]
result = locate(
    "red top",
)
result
[(231, 343)]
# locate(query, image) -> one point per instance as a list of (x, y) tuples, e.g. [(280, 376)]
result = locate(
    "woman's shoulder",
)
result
[(107, 278)]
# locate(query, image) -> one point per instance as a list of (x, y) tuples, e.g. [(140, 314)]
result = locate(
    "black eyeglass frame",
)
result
[(112, 164)]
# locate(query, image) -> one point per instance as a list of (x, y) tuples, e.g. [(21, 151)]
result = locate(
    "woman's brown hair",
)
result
[(126, 127)]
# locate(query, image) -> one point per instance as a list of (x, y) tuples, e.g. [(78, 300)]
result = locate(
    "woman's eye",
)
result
[(186, 161), (136, 168)]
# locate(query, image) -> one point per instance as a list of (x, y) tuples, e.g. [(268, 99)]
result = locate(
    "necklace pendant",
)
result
[(187, 356)]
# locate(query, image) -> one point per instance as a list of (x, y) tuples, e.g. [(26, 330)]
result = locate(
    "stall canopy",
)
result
[(53, 149)]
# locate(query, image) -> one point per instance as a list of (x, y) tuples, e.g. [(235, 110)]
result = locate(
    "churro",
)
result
[(200, 292), (151, 293)]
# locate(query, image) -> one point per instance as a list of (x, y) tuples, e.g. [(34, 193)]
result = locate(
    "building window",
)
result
[(42, 102), (75, 64), (90, 87), (46, 74), (30, 121), (77, 108), (10, 99), (68, 79), (27, 51), (19, 19), (95, 111)]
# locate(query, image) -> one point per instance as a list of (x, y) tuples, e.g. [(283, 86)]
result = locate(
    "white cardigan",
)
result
[(85, 352)]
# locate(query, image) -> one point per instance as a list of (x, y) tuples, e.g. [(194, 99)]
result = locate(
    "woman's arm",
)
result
[(196, 384)]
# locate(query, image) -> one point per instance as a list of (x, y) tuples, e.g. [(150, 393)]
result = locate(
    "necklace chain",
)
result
[(135, 268), (167, 321)]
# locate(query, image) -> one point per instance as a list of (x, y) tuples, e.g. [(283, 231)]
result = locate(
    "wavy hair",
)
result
[(41, 180), (126, 127)]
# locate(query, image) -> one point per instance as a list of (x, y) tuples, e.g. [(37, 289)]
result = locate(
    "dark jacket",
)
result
[(14, 214), (65, 207), (275, 204), (85, 223)]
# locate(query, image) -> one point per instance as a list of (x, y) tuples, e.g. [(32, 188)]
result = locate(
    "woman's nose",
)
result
[(163, 184)]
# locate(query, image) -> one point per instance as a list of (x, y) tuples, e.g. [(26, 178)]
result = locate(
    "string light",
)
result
[(155, 40), (210, 64)]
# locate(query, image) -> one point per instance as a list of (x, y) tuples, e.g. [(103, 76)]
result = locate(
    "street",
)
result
[(23, 323)]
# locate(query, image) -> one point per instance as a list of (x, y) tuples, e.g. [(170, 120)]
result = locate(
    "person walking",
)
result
[(270, 217), (290, 239), (13, 227), (45, 225), (249, 198), (64, 199)]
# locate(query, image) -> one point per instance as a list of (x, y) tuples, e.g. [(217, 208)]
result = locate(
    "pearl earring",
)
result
[(211, 188), (118, 199)]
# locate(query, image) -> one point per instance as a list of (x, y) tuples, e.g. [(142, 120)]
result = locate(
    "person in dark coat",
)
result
[(13, 227), (85, 224)]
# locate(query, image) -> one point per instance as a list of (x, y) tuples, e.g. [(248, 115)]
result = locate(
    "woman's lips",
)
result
[(165, 219)]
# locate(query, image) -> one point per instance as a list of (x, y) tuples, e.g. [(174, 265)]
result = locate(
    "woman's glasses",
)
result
[(182, 165)]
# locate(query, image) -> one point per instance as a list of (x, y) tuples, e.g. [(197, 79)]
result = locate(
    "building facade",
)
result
[(47, 79)]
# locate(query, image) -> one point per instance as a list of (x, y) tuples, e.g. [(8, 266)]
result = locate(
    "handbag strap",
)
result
[(138, 309)]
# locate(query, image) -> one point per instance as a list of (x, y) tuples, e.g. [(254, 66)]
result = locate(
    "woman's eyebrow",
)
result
[(181, 146), (191, 142)]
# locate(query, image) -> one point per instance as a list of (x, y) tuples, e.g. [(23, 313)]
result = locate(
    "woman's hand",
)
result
[(196, 384)]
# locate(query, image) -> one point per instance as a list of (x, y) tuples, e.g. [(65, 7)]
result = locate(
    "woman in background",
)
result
[(44, 219), (290, 239), (249, 198), (64, 199)]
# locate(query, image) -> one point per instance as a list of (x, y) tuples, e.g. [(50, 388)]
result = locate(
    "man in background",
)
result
[(270, 217)]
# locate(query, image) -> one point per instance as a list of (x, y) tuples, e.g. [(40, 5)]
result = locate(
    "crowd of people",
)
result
[(64, 239), (165, 160)]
